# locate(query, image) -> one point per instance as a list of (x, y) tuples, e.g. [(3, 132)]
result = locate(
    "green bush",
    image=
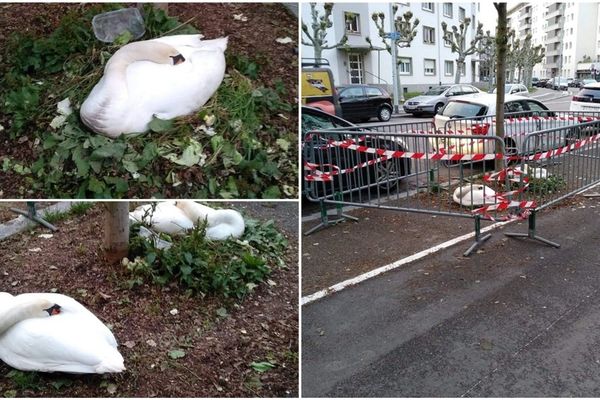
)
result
[(231, 268)]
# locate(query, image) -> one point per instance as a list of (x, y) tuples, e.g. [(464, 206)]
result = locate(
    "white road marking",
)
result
[(378, 271)]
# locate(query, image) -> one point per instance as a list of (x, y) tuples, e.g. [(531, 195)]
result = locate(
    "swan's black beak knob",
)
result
[(178, 59), (54, 310)]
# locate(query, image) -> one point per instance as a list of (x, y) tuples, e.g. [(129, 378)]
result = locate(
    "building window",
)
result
[(355, 68), (427, 6), (405, 66), (447, 43), (429, 67), (461, 14), (428, 35), (473, 22), (352, 23), (448, 68), (448, 10)]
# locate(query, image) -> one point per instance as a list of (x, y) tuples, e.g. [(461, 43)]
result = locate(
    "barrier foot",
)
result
[(31, 214), (325, 221), (479, 240), (531, 233)]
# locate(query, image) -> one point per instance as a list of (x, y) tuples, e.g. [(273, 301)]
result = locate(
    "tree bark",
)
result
[(501, 46), (116, 230)]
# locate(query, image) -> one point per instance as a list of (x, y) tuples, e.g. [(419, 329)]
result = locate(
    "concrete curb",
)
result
[(21, 223)]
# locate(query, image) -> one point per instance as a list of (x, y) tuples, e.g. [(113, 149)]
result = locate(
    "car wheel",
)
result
[(389, 172), (437, 108), (384, 114)]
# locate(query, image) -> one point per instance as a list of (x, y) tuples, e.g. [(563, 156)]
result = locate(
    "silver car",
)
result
[(434, 99)]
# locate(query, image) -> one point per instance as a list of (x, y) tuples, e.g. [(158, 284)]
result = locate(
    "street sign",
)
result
[(392, 35)]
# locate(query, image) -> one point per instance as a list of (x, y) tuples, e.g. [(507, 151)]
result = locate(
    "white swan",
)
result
[(474, 195), (220, 224), (165, 77), (175, 218), (51, 332), (166, 217)]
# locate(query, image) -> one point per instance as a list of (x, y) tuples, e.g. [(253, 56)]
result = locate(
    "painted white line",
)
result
[(378, 271)]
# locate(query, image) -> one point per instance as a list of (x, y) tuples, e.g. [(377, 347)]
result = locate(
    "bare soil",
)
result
[(219, 350)]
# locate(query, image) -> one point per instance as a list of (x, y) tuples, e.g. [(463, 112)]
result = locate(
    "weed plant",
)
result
[(233, 147)]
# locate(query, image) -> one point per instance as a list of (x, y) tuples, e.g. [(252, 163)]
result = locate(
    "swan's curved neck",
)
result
[(19, 311)]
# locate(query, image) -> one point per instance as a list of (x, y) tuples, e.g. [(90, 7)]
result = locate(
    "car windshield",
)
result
[(461, 109), (313, 122), (592, 93), (436, 91)]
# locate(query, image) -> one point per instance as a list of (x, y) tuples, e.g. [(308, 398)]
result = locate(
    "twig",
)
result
[(179, 26)]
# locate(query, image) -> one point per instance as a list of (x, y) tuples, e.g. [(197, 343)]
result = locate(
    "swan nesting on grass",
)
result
[(177, 217), (474, 195), (165, 77), (50, 332)]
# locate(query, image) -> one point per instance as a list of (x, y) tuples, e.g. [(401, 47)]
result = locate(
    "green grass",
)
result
[(234, 147)]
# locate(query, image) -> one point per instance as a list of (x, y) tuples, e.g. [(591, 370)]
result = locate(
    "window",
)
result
[(448, 68), (355, 67), (473, 22), (405, 66), (352, 92), (352, 23), (428, 35), (448, 10), (373, 91), (461, 14), (428, 6), (429, 67)]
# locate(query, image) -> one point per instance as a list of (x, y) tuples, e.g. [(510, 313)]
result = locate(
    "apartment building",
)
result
[(570, 33), (427, 62)]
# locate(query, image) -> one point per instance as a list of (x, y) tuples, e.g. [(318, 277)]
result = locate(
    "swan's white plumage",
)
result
[(73, 341), (165, 217), (220, 224), (134, 89), (474, 195)]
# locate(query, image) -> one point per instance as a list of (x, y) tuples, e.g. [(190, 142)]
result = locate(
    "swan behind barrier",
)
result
[(50, 332)]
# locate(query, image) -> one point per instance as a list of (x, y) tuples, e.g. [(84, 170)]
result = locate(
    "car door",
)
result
[(374, 99), (352, 101)]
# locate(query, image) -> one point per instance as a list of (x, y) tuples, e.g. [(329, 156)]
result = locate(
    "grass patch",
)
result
[(230, 268), (236, 146)]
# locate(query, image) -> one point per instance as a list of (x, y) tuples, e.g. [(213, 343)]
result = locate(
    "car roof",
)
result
[(593, 85), (487, 99)]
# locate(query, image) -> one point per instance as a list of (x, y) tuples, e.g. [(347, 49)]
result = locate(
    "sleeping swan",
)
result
[(51, 332), (165, 77), (177, 217)]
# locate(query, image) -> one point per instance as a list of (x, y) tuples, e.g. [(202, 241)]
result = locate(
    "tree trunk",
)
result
[(458, 66), (116, 230), (501, 46)]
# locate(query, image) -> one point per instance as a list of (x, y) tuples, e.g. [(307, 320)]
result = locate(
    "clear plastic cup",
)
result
[(109, 25)]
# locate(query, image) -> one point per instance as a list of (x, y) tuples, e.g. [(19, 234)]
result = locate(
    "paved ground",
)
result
[(518, 319)]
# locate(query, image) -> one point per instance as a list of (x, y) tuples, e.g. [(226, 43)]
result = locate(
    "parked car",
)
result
[(585, 82), (587, 99), (541, 83), (534, 81), (514, 88), (575, 83), (363, 102), (384, 173), (480, 105), (560, 83), (435, 98)]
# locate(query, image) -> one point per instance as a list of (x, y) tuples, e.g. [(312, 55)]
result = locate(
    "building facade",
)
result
[(570, 33), (428, 61)]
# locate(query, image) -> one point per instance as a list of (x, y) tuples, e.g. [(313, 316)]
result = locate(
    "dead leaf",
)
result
[(129, 344)]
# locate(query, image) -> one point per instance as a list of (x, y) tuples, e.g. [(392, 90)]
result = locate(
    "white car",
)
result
[(514, 88), (474, 115), (588, 98)]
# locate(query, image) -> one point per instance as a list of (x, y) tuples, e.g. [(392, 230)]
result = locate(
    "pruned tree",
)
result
[(116, 230), (513, 54), (457, 39), (319, 25), (486, 50), (501, 51), (406, 28), (532, 55)]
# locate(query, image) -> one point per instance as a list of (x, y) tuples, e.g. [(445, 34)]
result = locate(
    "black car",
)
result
[(349, 169), (363, 102)]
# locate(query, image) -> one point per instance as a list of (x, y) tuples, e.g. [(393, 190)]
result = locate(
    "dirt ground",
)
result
[(219, 350)]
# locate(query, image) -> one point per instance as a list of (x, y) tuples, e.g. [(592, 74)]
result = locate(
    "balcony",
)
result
[(553, 27), (553, 39), (550, 65), (525, 11), (553, 52), (553, 14), (525, 24)]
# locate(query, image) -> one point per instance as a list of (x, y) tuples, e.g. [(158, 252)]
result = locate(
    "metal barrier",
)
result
[(402, 172), (413, 167), (557, 173)]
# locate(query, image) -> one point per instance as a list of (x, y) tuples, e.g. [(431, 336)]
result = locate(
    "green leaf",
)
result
[(10, 393), (110, 150), (222, 312), (272, 192), (177, 353), (81, 162), (262, 366), (123, 38), (96, 186), (160, 125), (283, 143)]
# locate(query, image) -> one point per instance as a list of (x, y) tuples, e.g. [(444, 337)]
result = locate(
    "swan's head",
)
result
[(54, 309), (148, 50), (44, 308)]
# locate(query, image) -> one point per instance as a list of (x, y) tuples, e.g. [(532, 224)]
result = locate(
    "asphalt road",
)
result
[(518, 319)]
